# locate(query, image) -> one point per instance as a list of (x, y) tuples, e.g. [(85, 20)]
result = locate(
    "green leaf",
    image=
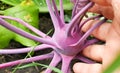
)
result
[(12, 2), (41, 4), (67, 5), (27, 12), (5, 37), (113, 66), (36, 64)]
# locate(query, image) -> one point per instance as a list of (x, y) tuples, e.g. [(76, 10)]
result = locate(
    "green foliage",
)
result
[(38, 64), (113, 66), (26, 11), (41, 4), (67, 5), (12, 2), (5, 37)]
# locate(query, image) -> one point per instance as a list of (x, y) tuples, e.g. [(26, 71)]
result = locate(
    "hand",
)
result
[(102, 53), (108, 32), (103, 7), (109, 9)]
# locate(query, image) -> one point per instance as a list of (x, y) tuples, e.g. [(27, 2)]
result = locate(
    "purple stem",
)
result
[(25, 34), (56, 59), (61, 10), (66, 63), (53, 17), (79, 4), (32, 59), (74, 9), (71, 24), (57, 13), (71, 30), (88, 19), (24, 50), (84, 59), (87, 43), (89, 32), (90, 42), (38, 32), (76, 27)]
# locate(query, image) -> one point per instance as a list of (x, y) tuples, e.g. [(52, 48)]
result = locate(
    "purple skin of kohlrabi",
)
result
[(67, 41)]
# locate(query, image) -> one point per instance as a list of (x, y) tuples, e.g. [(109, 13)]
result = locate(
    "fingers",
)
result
[(116, 21), (102, 2), (87, 68), (100, 32), (106, 11), (94, 52)]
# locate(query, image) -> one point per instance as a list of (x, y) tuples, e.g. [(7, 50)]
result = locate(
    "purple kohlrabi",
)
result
[(67, 41)]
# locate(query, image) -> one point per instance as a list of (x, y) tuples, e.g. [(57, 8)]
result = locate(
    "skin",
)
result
[(108, 32)]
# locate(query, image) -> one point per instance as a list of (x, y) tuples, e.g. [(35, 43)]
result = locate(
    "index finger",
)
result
[(99, 32)]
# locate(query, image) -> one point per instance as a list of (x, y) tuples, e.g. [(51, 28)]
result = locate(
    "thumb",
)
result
[(87, 68)]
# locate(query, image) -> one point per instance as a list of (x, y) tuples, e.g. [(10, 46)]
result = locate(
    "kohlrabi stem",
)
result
[(84, 59), (79, 4), (91, 18), (66, 60), (86, 44), (53, 16), (83, 38), (32, 59), (57, 13), (24, 50), (61, 10), (38, 32), (77, 16), (56, 59), (25, 34)]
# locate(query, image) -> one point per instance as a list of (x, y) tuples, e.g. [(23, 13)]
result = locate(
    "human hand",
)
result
[(101, 53), (108, 32), (109, 9), (103, 7)]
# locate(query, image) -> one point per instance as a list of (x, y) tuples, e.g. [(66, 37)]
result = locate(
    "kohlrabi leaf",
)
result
[(28, 12), (12, 2), (41, 4), (5, 37)]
